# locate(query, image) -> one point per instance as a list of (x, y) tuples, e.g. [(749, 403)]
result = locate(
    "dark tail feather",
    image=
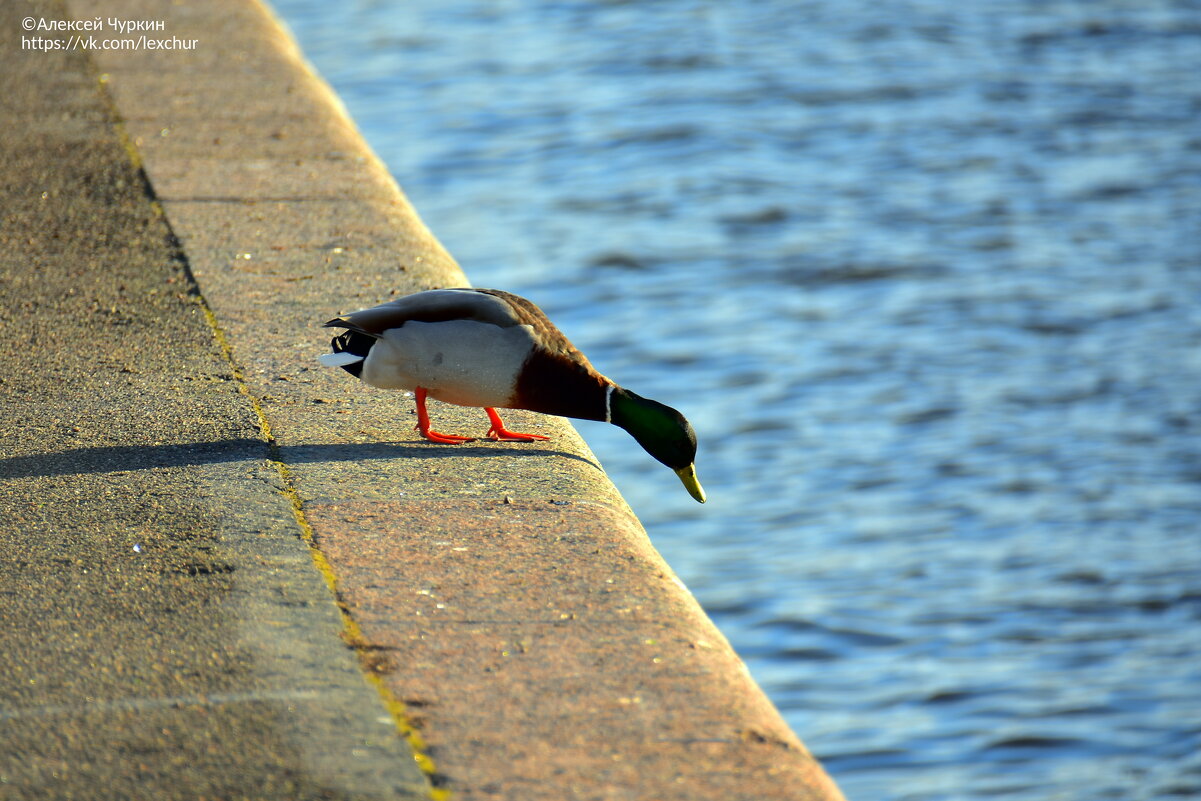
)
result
[(356, 344)]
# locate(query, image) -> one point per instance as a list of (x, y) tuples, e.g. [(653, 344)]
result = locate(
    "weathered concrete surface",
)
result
[(163, 630), (504, 593), (550, 658)]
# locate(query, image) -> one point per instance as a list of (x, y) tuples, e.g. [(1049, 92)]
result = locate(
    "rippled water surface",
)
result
[(926, 277)]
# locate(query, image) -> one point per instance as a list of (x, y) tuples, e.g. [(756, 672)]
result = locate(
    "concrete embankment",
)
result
[(229, 573)]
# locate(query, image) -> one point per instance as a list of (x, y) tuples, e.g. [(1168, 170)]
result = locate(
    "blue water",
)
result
[(926, 278)]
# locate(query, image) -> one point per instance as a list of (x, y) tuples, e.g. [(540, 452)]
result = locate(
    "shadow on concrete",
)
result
[(124, 458)]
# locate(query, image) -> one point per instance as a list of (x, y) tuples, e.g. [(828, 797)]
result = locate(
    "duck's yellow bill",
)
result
[(688, 476)]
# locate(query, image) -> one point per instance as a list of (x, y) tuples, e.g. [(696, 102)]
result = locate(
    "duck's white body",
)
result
[(465, 362), (473, 348)]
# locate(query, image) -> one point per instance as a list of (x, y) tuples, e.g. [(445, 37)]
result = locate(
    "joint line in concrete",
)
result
[(351, 633)]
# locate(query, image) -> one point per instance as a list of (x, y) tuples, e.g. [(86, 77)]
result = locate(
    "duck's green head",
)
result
[(662, 431)]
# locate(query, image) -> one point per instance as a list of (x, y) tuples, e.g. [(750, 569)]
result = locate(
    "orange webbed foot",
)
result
[(443, 439), (499, 433), (423, 424)]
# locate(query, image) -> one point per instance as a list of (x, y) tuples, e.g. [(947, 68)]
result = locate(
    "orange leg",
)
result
[(499, 432), (423, 424)]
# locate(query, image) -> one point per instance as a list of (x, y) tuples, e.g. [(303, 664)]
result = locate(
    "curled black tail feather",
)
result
[(356, 343)]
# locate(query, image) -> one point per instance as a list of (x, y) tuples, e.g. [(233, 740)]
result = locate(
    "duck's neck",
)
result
[(623, 409), (645, 420)]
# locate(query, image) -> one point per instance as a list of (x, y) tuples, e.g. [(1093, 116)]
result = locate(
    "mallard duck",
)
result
[(488, 348)]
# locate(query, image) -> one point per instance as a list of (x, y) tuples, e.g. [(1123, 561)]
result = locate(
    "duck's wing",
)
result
[(546, 334), (552, 349), (434, 306)]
